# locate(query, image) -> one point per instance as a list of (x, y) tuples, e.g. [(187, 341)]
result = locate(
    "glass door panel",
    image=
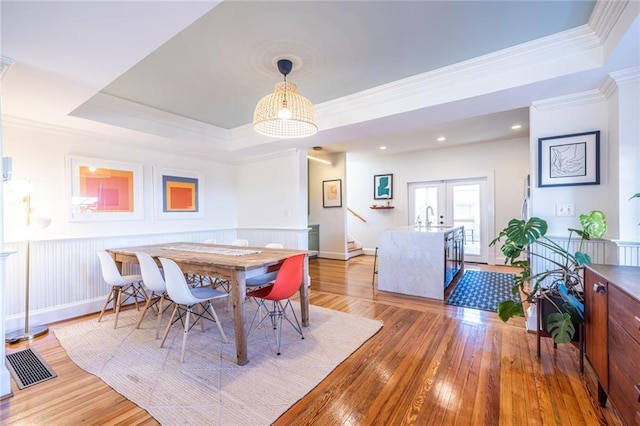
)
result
[(455, 203)]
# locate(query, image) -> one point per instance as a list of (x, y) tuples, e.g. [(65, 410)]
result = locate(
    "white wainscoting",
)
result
[(65, 278), (628, 253), (600, 251)]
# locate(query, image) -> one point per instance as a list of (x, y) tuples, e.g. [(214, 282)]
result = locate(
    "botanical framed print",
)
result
[(104, 189), (177, 194), (383, 187), (569, 160), (332, 193)]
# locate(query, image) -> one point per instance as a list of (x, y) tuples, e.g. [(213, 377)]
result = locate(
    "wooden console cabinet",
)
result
[(612, 335)]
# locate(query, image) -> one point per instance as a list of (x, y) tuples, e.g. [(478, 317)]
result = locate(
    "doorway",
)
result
[(457, 202)]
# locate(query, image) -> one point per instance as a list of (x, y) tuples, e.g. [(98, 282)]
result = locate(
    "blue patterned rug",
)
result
[(482, 290)]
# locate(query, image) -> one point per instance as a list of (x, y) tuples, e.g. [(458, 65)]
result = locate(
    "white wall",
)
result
[(40, 155), (272, 196), (506, 163), (626, 103), (562, 117), (332, 221)]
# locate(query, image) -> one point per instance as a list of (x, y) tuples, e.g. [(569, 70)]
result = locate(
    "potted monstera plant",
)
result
[(560, 284)]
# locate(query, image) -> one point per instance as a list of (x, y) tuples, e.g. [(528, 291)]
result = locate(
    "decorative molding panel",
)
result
[(65, 278), (628, 253), (600, 251)]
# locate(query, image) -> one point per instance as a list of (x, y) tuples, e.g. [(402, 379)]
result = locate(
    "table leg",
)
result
[(304, 295), (238, 291)]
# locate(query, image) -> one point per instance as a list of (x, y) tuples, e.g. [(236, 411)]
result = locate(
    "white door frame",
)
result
[(489, 197)]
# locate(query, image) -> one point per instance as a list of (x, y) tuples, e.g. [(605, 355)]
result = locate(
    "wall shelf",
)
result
[(381, 207)]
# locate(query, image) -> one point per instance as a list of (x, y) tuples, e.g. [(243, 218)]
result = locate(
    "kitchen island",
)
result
[(419, 261)]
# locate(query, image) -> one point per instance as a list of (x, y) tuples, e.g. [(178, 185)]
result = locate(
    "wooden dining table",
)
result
[(232, 263)]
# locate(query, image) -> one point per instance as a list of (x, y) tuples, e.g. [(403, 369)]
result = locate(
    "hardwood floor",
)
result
[(430, 364)]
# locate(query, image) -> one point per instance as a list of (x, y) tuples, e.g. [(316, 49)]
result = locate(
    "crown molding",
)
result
[(604, 17), (609, 87), (122, 112), (5, 64), (165, 145), (287, 152), (422, 87), (618, 78), (568, 101), (625, 76)]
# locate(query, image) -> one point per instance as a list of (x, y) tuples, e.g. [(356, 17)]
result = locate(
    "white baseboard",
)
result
[(57, 313)]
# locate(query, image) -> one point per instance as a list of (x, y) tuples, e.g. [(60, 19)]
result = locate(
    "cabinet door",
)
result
[(595, 295)]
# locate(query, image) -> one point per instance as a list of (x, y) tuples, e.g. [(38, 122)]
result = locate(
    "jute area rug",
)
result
[(209, 387)]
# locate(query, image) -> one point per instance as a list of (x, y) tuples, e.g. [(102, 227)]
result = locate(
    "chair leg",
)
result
[(146, 308), (277, 325), (173, 314), (296, 326), (109, 298), (215, 317), (159, 317), (118, 301), (200, 313), (186, 331)]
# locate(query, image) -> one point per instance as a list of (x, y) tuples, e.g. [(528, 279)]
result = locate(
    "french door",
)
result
[(454, 203)]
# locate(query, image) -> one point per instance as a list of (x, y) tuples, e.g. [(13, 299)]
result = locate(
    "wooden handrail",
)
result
[(357, 215)]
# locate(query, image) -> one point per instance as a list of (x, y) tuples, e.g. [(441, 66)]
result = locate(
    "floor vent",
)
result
[(27, 368)]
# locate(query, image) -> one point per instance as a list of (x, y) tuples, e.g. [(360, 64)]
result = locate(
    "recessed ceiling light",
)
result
[(516, 127), (441, 139), (383, 147)]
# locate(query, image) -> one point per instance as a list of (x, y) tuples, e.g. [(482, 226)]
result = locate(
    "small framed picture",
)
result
[(383, 187), (332, 193), (569, 160), (177, 194)]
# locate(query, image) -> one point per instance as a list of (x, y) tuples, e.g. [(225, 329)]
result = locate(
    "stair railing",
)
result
[(356, 215)]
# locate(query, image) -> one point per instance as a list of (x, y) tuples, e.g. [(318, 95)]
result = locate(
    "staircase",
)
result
[(353, 249)]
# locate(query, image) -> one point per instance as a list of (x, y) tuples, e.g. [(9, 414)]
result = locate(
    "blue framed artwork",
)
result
[(569, 160), (383, 187)]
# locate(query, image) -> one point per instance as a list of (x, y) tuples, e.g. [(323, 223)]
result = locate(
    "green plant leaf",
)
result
[(522, 233), (509, 309), (594, 223), (582, 258), (561, 327), (635, 196)]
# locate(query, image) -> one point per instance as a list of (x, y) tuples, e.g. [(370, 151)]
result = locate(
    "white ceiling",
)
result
[(193, 71)]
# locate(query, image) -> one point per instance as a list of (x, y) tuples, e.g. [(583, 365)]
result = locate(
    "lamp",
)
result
[(284, 113), (31, 222)]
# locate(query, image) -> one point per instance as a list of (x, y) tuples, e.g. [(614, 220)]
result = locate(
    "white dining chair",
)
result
[(240, 243), (185, 298), (274, 245), (153, 281), (121, 285), (210, 241)]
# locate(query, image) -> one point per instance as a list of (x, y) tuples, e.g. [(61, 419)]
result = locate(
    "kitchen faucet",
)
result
[(428, 221)]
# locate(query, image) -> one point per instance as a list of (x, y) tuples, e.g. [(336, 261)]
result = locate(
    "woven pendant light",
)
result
[(284, 113)]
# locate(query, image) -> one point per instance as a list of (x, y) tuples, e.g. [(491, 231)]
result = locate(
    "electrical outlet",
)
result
[(565, 209)]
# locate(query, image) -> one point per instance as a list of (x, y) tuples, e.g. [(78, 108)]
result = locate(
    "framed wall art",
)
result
[(104, 189), (332, 193), (177, 194), (383, 187), (569, 160)]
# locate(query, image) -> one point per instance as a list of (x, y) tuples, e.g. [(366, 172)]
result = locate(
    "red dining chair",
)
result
[(287, 282)]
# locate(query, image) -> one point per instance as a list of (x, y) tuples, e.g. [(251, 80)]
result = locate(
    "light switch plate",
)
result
[(565, 209)]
